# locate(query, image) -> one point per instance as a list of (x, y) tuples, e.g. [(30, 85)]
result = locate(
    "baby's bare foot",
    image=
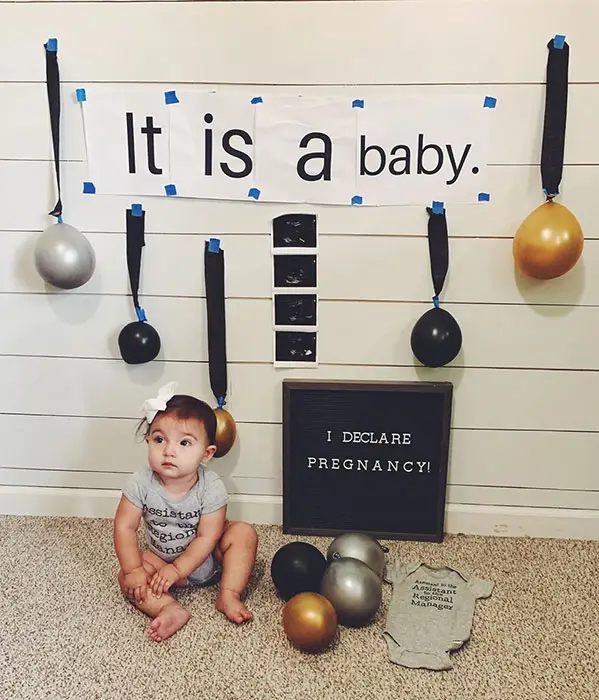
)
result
[(170, 619), (228, 603)]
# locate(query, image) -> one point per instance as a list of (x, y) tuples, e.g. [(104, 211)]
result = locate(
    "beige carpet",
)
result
[(66, 633)]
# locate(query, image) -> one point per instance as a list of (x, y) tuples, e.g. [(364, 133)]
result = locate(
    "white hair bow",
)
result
[(152, 406)]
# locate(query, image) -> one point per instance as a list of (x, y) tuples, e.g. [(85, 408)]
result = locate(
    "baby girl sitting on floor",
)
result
[(183, 506)]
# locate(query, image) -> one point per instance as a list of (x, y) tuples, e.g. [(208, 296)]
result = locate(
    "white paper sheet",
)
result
[(126, 133), (283, 145), (212, 144), (405, 149)]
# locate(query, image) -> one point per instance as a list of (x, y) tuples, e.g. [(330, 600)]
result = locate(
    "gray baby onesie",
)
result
[(430, 613), (171, 523)]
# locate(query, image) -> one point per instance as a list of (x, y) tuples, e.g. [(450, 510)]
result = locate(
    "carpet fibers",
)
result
[(66, 632)]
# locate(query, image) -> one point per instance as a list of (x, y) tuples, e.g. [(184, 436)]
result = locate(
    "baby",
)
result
[(183, 506)]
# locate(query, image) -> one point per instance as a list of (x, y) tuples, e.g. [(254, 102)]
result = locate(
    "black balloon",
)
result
[(436, 338), (139, 342), (297, 567)]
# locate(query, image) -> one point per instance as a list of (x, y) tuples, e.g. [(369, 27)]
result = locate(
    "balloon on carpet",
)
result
[(309, 621), (354, 589), (297, 567), (359, 545)]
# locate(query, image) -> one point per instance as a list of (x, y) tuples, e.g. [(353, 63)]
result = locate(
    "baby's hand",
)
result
[(164, 579), (136, 584)]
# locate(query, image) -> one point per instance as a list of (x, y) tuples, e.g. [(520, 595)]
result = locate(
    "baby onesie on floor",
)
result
[(430, 613)]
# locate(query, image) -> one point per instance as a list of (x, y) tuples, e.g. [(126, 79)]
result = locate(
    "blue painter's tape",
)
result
[(170, 190), (141, 314), (436, 301), (438, 208), (213, 245), (52, 45), (59, 219), (356, 199), (358, 103), (255, 100), (136, 210), (484, 196), (89, 188), (80, 93), (170, 97), (490, 102), (559, 40), (254, 192)]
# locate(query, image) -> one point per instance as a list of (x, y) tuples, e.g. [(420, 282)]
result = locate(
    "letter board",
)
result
[(366, 456)]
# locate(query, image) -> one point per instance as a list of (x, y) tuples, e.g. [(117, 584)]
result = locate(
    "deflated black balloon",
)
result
[(139, 342), (436, 338)]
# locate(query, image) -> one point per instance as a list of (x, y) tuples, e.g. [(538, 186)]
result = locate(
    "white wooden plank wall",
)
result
[(525, 442)]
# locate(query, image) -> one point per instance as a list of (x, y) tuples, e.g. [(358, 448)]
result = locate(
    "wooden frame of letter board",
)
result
[(444, 388)]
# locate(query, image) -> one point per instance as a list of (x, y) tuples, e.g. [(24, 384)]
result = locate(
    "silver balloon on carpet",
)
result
[(354, 589), (360, 546)]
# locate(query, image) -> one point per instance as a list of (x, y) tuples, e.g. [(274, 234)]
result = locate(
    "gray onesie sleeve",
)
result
[(215, 494), (136, 487)]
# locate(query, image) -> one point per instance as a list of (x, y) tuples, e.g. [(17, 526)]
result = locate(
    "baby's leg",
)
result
[(237, 552), (169, 616)]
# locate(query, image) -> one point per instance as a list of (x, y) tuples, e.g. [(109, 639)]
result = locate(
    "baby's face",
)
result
[(177, 447)]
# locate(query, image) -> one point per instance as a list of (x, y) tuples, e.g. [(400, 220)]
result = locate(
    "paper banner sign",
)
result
[(237, 145)]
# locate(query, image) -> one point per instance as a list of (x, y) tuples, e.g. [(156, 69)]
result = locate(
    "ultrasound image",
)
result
[(295, 347), (295, 309), (294, 270), (294, 231)]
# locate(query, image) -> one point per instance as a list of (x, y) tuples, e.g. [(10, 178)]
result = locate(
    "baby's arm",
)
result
[(210, 530), (126, 523)]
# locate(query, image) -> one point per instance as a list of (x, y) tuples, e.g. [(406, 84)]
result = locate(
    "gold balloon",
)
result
[(309, 621), (226, 432), (548, 242)]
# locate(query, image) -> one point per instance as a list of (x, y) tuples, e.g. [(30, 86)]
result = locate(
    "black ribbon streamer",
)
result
[(438, 247), (554, 127), (214, 272), (53, 90), (136, 223)]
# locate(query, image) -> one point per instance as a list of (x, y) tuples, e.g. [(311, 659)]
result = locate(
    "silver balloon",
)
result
[(359, 546), (354, 590), (64, 257)]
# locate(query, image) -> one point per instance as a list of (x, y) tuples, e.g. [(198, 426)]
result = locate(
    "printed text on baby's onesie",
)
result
[(170, 530), (164, 513), (433, 595)]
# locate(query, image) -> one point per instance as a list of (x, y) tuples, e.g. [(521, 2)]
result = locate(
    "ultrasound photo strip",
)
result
[(295, 290)]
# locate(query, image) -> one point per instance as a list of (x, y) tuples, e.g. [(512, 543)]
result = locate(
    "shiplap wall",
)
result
[(525, 437)]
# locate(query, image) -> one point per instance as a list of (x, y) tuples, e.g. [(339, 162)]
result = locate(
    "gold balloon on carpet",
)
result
[(309, 621), (226, 431), (548, 242)]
